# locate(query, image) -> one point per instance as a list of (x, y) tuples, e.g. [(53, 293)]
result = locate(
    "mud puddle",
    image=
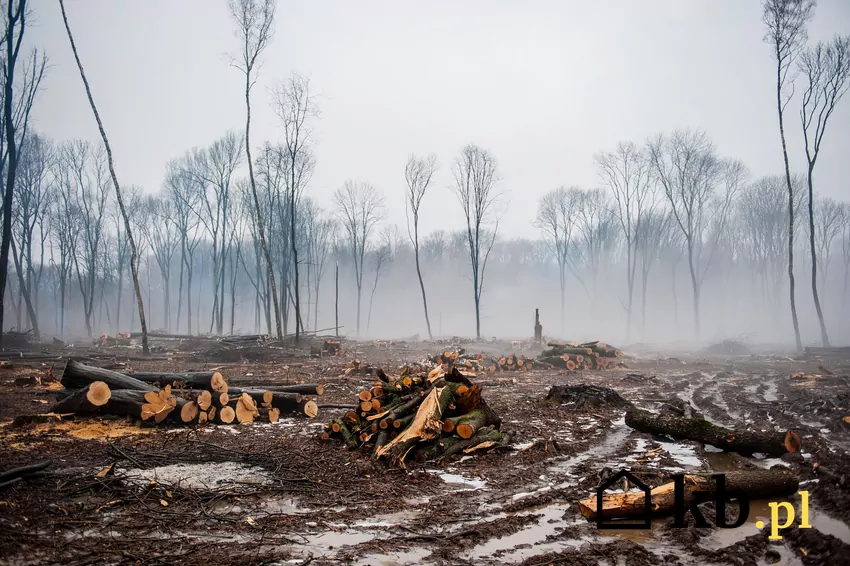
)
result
[(531, 540)]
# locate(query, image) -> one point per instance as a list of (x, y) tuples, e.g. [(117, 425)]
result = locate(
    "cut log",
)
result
[(122, 402), (159, 404), (98, 393), (467, 425), (78, 375), (226, 414), (204, 400), (209, 380), (274, 415), (189, 412), (426, 425), (742, 441), (303, 389), (762, 484), (310, 409)]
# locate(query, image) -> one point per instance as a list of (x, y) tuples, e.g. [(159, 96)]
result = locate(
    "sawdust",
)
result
[(81, 429)]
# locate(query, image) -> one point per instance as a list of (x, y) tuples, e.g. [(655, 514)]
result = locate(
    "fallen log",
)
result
[(122, 402), (210, 380), (742, 441), (761, 484), (77, 375)]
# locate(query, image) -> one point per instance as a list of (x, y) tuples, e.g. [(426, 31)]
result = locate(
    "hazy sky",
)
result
[(542, 84)]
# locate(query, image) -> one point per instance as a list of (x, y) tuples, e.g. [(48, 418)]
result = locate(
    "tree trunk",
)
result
[(78, 375), (760, 484), (336, 300), (791, 282), (823, 334), (293, 243), (695, 285), (419, 275), (257, 210), (743, 441), (133, 251), (25, 293)]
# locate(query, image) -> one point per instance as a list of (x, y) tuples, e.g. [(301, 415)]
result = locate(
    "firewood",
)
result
[(761, 484), (425, 425), (98, 393), (742, 441), (467, 425)]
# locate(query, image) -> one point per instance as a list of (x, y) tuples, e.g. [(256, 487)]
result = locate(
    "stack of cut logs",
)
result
[(589, 355), (420, 416), (478, 362), (179, 398)]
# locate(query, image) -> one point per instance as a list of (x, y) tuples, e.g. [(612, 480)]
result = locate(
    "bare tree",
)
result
[(826, 71), (164, 238), (650, 238), (254, 19), (417, 174), (18, 99), (181, 188), (381, 256), (320, 235), (294, 105), (133, 254), (786, 21), (556, 217), (762, 213), (475, 175), (845, 254), (89, 191), (360, 208), (30, 219), (213, 169), (690, 172), (627, 172), (829, 216)]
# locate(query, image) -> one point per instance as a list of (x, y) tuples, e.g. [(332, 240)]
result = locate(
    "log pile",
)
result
[(177, 398), (479, 363), (588, 355), (419, 416)]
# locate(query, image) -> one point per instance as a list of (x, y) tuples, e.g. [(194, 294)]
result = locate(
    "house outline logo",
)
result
[(647, 503)]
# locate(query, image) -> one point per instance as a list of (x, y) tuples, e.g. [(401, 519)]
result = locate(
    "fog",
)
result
[(570, 120)]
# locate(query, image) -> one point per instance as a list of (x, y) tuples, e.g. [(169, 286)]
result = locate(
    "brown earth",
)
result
[(275, 494)]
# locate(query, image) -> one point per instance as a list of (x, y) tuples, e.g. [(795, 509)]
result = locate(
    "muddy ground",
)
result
[(275, 494)]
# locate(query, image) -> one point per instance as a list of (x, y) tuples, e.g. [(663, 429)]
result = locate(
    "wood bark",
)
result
[(77, 375), (742, 441)]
